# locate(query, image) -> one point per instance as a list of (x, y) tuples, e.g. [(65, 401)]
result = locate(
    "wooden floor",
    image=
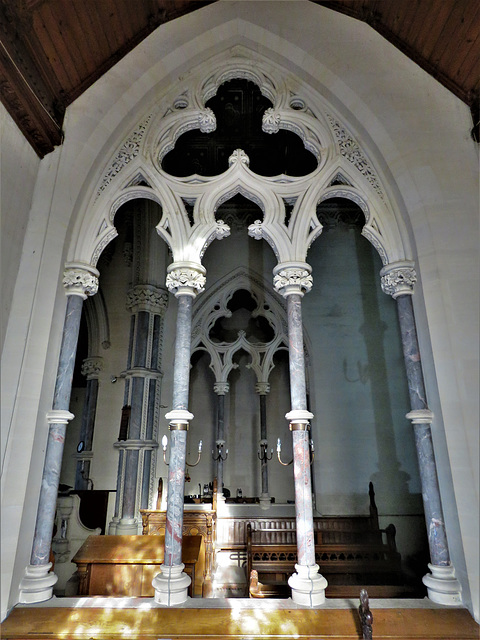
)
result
[(246, 622)]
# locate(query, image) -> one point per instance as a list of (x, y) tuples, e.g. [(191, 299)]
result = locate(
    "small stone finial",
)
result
[(91, 367), (292, 278), (186, 278), (238, 157), (80, 280), (398, 278)]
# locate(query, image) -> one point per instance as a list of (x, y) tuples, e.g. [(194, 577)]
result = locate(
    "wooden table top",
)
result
[(133, 550)]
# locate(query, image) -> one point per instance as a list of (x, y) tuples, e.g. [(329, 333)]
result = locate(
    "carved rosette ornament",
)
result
[(238, 157), (295, 278), (80, 280), (91, 367), (398, 279), (207, 122), (146, 297), (271, 121), (186, 279)]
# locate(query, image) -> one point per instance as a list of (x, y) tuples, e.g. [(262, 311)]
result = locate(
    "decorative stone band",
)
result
[(262, 388), (91, 367), (146, 297), (420, 416), (299, 417), (179, 417), (80, 280), (186, 278), (398, 278), (83, 455), (59, 416), (292, 277), (142, 372), (221, 388), (136, 445)]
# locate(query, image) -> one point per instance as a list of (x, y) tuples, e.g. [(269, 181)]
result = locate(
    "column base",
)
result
[(127, 527), (37, 583), (112, 525), (171, 585), (265, 501), (442, 586), (308, 586)]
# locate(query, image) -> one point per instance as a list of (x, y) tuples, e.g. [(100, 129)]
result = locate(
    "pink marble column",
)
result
[(185, 280), (292, 280)]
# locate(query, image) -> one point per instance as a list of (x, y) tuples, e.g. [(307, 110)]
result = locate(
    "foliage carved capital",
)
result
[(80, 280), (292, 278), (146, 297), (398, 279), (186, 279)]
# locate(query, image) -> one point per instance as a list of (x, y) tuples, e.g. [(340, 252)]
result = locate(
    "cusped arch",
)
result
[(186, 109)]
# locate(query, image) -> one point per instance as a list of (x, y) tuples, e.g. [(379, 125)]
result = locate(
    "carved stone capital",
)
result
[(398, 278), (91, 367), (80, 280), (59, 416), (186, 278), (146, 297), (292, 277), (221, 388), (262, 388), (238, 157)]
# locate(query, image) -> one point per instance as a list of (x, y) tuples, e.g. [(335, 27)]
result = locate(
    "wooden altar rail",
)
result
[(128, 621)]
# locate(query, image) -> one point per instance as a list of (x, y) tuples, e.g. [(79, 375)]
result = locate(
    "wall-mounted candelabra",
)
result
[(221, 453), (286, 464), (262, 452), (165, 444)]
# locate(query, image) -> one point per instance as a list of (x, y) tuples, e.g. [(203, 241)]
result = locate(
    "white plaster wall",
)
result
[(18, 171), (417, 134)]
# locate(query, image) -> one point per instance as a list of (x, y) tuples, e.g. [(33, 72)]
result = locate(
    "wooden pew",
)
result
[(367, 558)]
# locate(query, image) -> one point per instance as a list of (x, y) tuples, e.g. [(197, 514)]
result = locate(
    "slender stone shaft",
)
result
[(263, 437), (301, 452), (90, 368), (220, 436), (437, 538), (178, 441)]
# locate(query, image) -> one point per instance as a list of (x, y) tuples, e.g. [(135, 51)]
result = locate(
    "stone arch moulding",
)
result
[(214, 305), (134, 171)]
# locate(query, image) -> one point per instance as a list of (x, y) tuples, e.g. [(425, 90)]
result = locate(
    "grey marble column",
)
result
[(398, 280), (185, 280), (147, 304), (308, 586), (221, 389), (91, 368), (79, 281)]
